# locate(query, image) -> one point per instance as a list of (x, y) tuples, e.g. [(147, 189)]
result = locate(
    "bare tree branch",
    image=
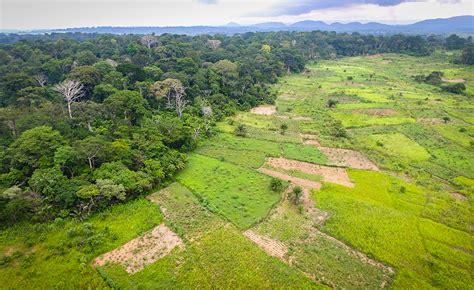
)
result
[(72, 90)]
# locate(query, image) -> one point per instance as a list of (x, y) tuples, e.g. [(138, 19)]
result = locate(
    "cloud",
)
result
[(300, 7), (208, 2)]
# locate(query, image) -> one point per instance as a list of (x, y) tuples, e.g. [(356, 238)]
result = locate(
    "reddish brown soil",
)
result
[(272, 247), (264, 110)]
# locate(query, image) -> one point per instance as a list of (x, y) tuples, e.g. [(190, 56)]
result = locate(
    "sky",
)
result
[(48, 14)]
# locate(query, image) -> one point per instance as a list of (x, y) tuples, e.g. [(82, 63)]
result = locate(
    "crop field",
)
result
[(385, 166), (241, 195)]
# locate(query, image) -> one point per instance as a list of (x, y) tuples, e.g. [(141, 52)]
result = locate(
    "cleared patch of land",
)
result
[(144, 250), (329, 174), (264, 110)]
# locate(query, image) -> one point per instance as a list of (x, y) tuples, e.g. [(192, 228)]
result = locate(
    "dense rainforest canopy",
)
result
[(88, 120)]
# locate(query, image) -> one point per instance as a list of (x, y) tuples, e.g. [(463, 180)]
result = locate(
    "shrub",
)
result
[(240, 131), (276, 184), (295, 195)]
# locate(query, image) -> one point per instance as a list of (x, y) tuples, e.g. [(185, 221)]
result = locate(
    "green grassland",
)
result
[(239, 194), (389, 224)]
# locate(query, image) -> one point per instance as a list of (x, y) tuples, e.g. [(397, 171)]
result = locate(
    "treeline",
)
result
[(90, 120)]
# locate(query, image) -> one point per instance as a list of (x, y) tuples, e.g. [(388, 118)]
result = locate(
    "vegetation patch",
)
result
[(184, 213), (397, 144), (239, 194)]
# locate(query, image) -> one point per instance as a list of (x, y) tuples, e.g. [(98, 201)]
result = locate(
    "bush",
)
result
[(454, 88), (240, 131), (276, 184), (295, 195)]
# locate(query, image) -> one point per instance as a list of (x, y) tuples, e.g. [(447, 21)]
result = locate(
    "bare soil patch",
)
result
[(272, 247), (295, 180), (312, 142), (264, 110), (330, 174), (376, 112), (430, 121), (453, 81), (144, 250), (458, 196), (348, 158)]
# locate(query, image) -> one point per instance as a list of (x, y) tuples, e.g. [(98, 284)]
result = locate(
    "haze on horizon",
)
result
[(48, 14)]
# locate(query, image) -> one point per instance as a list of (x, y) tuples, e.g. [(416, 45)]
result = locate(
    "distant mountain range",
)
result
[(463, 25)]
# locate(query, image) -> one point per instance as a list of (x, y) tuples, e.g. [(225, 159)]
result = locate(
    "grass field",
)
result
[(241, 195), (387, 222)]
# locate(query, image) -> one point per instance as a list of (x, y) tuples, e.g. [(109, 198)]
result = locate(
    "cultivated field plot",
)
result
[(143, 250), (239, 194), (184, 213)]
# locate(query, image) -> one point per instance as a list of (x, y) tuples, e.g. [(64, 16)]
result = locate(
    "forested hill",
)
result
[(90, 120)]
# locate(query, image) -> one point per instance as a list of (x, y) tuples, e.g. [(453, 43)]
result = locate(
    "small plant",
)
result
[(331, 103), (240, 131), (380, 144), (276, 184), (446, 119), (403, 189), (295, 195), (462, 130), (283, 128), (350, 78)]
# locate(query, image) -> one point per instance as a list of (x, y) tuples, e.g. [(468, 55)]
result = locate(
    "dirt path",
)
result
[(144, 250), (295, 180), (329, 174)]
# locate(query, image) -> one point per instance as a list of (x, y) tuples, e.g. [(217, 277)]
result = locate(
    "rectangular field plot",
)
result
[(398, 145), (240, 194), (302, 152), (351, 119), (183, 211)]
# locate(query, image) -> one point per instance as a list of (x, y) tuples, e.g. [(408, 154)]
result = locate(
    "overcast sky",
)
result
[(35, 14)]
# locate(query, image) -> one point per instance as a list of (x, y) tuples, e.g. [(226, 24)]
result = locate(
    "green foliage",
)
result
[(240, 131), (295, 195), (237, 193), (35, 148)]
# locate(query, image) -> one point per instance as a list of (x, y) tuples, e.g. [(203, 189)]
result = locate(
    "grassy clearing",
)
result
[(222, 259), (398, 145), (462, 135), (304, 153), (183, 212), (386, 221), (351, 120), (58, 255), (241, 195), (246, 158)]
